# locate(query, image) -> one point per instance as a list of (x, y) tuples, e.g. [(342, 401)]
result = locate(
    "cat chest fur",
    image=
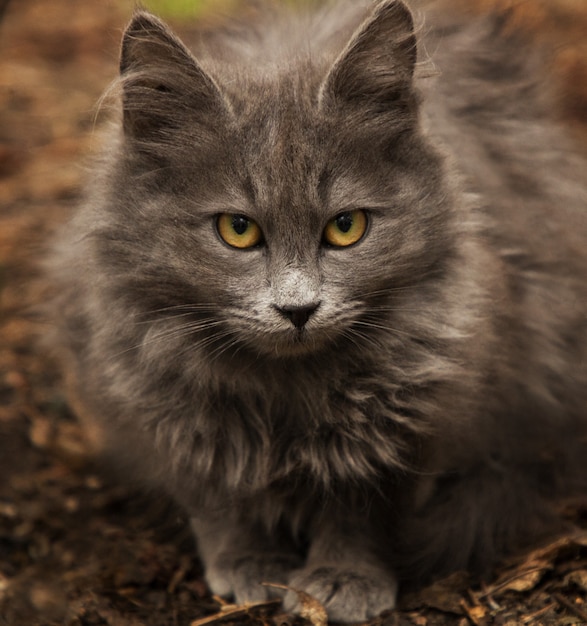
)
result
[(267, 432)]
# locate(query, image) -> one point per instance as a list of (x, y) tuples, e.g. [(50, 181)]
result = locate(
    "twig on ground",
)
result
[(573, 608), (231, 612)]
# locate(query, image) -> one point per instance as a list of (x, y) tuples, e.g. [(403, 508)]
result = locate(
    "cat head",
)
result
[(279, 201)]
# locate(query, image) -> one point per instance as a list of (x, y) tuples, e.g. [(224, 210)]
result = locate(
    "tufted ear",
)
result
[(377, 66), (161, 81)]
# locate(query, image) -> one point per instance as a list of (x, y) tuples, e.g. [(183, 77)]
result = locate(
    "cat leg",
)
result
[(344, 573), (238, 555), (469, 520)]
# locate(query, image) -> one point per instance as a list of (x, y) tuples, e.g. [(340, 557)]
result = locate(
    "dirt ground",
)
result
[(77, 548)]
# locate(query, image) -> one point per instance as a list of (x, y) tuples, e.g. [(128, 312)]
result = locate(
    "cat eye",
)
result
[(346, 229), (238, 231)]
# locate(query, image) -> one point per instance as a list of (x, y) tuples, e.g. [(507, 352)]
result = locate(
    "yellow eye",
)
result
[(238, 231), (346, 229)]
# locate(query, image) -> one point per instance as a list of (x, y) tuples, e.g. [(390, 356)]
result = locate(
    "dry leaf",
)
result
[(552, 550), (41, 432), (4, 585), (475, 613), (312, 610), (526, 574), (578, 578), (444, 595), (525, 581)]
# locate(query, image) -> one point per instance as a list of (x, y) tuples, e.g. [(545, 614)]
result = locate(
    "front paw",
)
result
[(349, 595), (240, 575)]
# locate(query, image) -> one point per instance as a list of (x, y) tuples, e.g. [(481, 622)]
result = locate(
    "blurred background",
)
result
[(75, 547)]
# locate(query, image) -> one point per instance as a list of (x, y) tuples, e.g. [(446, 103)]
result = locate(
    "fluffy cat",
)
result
[(332, 296)]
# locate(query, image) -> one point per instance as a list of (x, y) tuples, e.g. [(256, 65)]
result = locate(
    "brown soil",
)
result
[(76, 547)]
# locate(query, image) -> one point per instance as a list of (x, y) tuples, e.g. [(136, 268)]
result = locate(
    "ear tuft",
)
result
[(146, 39), (161, 79), (377, 66)]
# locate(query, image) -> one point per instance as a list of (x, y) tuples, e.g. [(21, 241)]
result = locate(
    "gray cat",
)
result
[(332, 296)]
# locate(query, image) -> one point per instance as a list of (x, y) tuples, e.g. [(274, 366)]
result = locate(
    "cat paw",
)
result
[(240, 576), (348, 595)]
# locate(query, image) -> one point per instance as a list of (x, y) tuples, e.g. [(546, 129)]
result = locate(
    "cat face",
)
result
[(305, 240), (280, 211)]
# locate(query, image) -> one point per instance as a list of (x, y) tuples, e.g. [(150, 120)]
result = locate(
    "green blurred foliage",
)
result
[(185, 9), (188, 9)]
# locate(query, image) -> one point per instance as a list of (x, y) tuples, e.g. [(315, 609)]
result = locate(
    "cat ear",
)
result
[(376, 68), (161, 80)]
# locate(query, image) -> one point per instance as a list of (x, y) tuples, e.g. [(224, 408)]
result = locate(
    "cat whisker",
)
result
[(218, 352), (359, 339), (166, 318), (386, 291), (393, 309), (169, 168), (352, 337), (202, 344), (395, 331), (195, 307), (171, 334)]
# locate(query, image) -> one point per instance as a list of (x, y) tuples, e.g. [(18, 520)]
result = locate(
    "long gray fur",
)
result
[(433, 408)]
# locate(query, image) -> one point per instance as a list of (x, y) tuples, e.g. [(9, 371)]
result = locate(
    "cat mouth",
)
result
[(286, 342), (296, 342), (300, 335)]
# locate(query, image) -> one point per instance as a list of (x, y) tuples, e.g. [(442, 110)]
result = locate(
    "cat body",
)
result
[(332, 297)]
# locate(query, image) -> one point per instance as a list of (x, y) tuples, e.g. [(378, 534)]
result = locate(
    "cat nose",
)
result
[(298, 315)]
